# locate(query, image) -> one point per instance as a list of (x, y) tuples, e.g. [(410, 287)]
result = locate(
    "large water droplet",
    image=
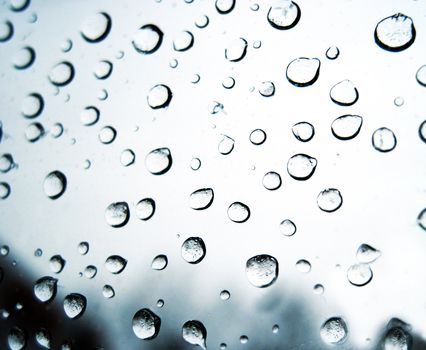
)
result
[(303, 71), (359, 274), (24, 58), (238, 212), (193, 250), (271, 181), (344, 93), (74, 305), (397, 338), (34, 132), (159, 161), (384, 140), (43, 338), (301, 166), (421, 219), (89, 116), (226, 145), (334, 331), (45, 289), (55, 184), (194, 333), (107, 135), (32, 106), (329, 200), (236, 50), (346, 127), (56, 263), (225, 6), (303, 131), (183, 41), (395, 33), (367, 254), (257, 137), (6, 31), (103, 69), (146, 324), (267, 89), (61, 74), (201, 199), (115, 264), (147, 39), (421, 75), (262, 270), (96, 27), (17, 338), (159, 96), (145, 209), (159, 262), (284, 14)]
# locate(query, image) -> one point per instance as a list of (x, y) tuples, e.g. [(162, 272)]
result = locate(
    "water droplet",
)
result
[(147, 39), (284, 14), (61, 74), (228, 83), (55, 184), (193, 250), (244, 339), (226, 145), (287, 227), (17, 338), (201, 199), (346, 127), (159, 161), (319, 289), (238, 212), (45, 289), (38, 253), (6, 163), (34, 132), (146, 324), (398, 101), (395, 33), (160, 303), (83, 248), (397, 339), (367, 254), (107, 135), (24, 58), (159, 262), (303, 131), (74, 305), (223, 346), (32, 106), (127, 157), (267, 89), (257, 137), (254, 7), (6, 31), (195, 163), (301, 166), (422, 131), (225, 295), (19, 5), (359, 274), (108, 292), (303, 71), (334, 331), (257, 44), (344, 93), (56, 130), (43, 338), (421, 75), (194, 332), (90, 271), (66, 45), (195, 78), (275, 329), (271, 181), (115, 264), (89, 116), (329, 200), (96, 27), (421, 219), (4, 250), (215, 107), (384, 140), (145, 209), (56, 263), (173, 63), (236, 50), (4, 190), (303, 266), (225, 6), (159, 96), (103, 70), (183, 41), (262, 270), (332, 52)]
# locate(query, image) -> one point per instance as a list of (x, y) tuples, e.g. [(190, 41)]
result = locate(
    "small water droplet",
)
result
[(202, 21), (160, 303), (284, 14), (303, 266), (329, 200), (223, 346), (6, 31), (173, 63), (55, 184), (146, 324), (56, 130), (193, 250), (267, 89), (384, 140), (257, 137), (215, 107), (66, 45), (74, 305), (145, 209), (32, 105), (89, 116), (103, 69), (4, 314), (334, 331), (83, 248), (90, 271), (96, 28), (34, 132), (194, 333), (332, 52), (102, 95), (4, 250), (262, 270), (398, 101), (201, 199), (275, 329), (159, 161), (271, 181), (115, 264), (319, 289), (183, 41), (4, 190), (56, 263), (346, 127), (159, 96), (195, 78), (159, 262), (6, 163), (367, 254), (127, 157), (43, 338), (236, 50), (303, 71), (224, 6), (38, 252), (107, 135), (301, 166), (359, 274), (287, 227), (422, 131), (303, 131), (195, 163), (257, 44), (24, 58), (228, 82), (226, 145), (421, 75), (18, 5), (61, 74), (17, 338), (238, 212), (421, 219), (395, 33), (147, 39), (344, 93), (225, 295), (45, 288), (108, 292)]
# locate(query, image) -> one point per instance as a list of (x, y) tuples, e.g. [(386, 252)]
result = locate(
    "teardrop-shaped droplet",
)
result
[(224, 6), (267, 89), (107, 135), (344, 93), (329, 200), (90, 271), (287, 227), (421, 219), (367, 254), (159, 161), (194, 332), (384, 140), (332, 52), (24, 58), (236, 50), (57, 263), (303, 71), (74, 305), (257, 137), (145, 209), (159, 262), (115, 264), (226, 145), (45, 289), (303, 131), (271, 181), (303, 266), (34, 132), (96, 28), (334, 331), (89, 116), (159, 96), (262, 270), (17, 338), (238, 212), (201, 199), (43, 338), (284, 14), (108, 292), (55, 184), (32, 106), (359, 274), (6, 31), (346, 127), (146, 324), (62, 74), (147, 39), (301, 166), (395, 33), (421, 75), (193, 250), (83, 248), (183, 41)]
